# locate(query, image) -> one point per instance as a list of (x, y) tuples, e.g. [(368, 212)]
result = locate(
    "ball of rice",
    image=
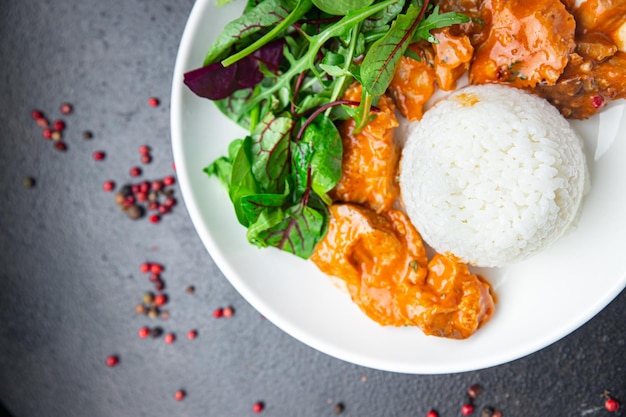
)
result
[(492, 175)]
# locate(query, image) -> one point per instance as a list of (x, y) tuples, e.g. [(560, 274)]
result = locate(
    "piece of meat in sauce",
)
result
[(596, 71), (370, 158), (527, 43), (382, 263), (413, 83)]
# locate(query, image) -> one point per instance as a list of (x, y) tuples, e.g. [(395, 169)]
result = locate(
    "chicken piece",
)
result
[(370, 158), (413, 84), (373, 255), (453, 55), (587, 86), (381, 261), (528, 43), (603, 16)]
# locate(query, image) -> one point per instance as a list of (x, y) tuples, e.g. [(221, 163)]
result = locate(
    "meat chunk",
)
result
[(370, 158), (528, 43), (381, 261)]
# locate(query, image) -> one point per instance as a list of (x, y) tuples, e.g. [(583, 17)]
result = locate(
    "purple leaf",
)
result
[(217, 82)]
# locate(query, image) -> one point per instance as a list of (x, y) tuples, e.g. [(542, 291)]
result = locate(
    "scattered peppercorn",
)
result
[(37, 114), (153, 312), (487, 412), (474, 391), (134, 212), (190, 289), (467, 409), (153, 102), (28, 182), (43, 122), (611, 404), (156, 332), (170, 338), (60, 146), (56, 135), (135, 171), (432, 413), (108, 186), (112, 361), (156, 268), (160, 300), (165, 315), (59, 125), (258, 407), (65, 108), (497, 413), (192, 334), (180, 395), (148, 298), (218, 312), (338, 408), (228, 312), (98, 156), (155, 218), (87, 134), (144, 332), (169, 180), (141, 309), (47, 133), (146, 159)]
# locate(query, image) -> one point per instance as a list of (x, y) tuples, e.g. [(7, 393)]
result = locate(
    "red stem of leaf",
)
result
[(322, 109)]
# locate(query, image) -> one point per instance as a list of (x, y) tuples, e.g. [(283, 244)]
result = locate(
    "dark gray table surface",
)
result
[(69, 259)]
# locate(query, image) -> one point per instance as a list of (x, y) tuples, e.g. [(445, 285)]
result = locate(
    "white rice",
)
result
[(492, 175)]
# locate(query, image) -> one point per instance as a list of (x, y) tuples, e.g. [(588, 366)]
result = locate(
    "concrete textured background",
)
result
[(69, 259)]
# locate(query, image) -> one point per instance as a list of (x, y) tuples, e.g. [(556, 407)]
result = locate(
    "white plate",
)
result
[(539, 301)]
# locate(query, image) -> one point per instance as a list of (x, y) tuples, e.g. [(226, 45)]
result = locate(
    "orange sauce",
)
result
[(381, 261)]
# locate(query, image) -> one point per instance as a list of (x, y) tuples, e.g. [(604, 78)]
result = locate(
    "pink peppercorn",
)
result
[(43, 122), (146, 159), (611, 404), (135, 171), (432, 413), (228, 312), (169, 180), (145, 267), (156, 268), (192, 334), (157, 185), (153, 102), (36, 114), (155, 218), (65, 108), (180, 395), (98, 156), (170, 338), (170, 202), (144, 150), (58, 125), (597, 101), (144, 332), (60, 146), (108, 186), (160, 300), (112, 361), (218, 312), (258, 407), (159, 285), (467, 409), (47, 133)]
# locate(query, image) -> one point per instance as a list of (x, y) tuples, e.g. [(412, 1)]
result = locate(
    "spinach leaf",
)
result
[(246, 28), (381, 60), (296, 229), (242, 181), (437, 21), (223, 166), (340, 7), (253, 205), (269, 152), (320, 149)]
